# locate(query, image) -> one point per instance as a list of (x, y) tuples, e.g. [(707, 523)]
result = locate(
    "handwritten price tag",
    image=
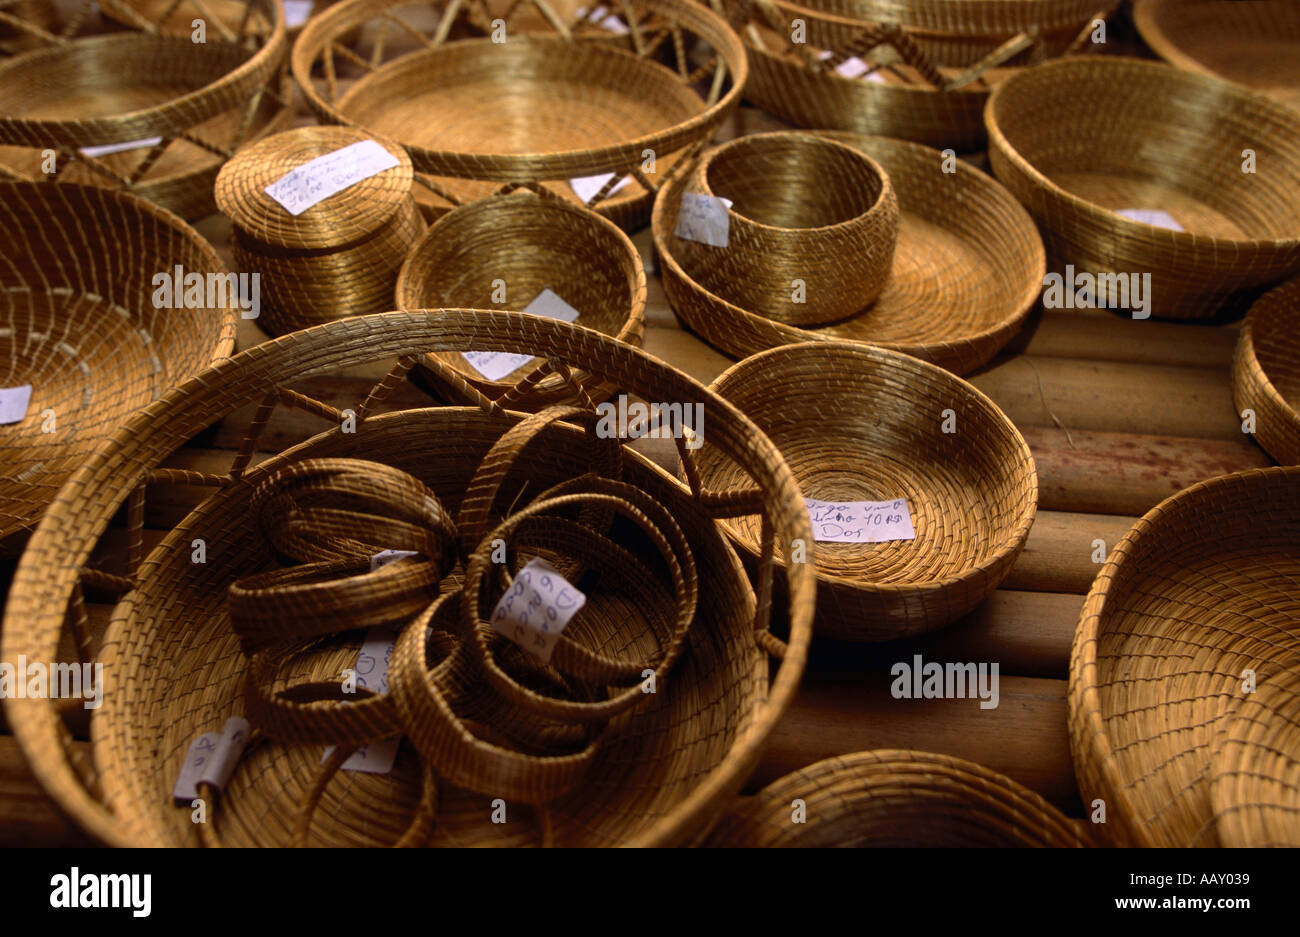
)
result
[(372, 673), (211, 759), (860, 521), (297, 12), (704, 218), (536, 608), (13, 403), (384, 557), (495, 365), (327, 175)]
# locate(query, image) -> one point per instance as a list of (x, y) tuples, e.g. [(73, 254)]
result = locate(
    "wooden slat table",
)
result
[(1119, 414)]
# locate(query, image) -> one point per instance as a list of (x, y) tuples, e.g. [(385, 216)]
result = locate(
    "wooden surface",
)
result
[(1119, 415)]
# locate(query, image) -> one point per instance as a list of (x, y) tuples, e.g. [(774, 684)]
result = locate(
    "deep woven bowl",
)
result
[(527, 242), (1266, 372), (893, 799), (968, 267), (83, 330), (807, 210), (1204, 587), (866, 424), (1062, 139)]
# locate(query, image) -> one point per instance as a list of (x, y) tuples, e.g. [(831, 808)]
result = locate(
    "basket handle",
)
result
[(459, 387)]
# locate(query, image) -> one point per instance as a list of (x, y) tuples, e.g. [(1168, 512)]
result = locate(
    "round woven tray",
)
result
[(83, 331), (526, 242), (968, 267), (187, 106), (1255, 44), (711, 727), (891, 798), (1266, 372), (475, 113), (1079, 140), (1204, 587), (866, 424)]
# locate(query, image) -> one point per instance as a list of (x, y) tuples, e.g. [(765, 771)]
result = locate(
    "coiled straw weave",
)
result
[(1266, 372)]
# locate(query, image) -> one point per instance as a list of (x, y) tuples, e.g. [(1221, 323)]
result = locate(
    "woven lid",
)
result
[(357, 211)]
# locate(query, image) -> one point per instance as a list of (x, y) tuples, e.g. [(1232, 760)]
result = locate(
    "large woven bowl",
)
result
[(154, 701), (1079, 140), (889, 799), (1266, 372), (527, 242), (537, 107), (1204, 587), (76, 282), (1255, 44), (866, 424), (968, 267)]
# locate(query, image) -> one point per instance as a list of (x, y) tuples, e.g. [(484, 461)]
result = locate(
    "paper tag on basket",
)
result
[(860, 521), (318, 179), (296, 12), (853, 67), (384, 557), (603, 18), (372, 673), (494, 365), (211, 760), (536, 608), (96, 151), (13, 403), (1152, 216), (704, 218), (586, 187)]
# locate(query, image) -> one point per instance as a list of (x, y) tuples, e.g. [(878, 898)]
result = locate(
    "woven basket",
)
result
[(709, 729), (174, 17), (1255, 44), (891, 799), (83, 331), (525, 242), (1077, 141), (1204, 587), (866, 424), (806, 210), (968, 267), (475, 113), (338, 258), (187, 106), (1266, 372)]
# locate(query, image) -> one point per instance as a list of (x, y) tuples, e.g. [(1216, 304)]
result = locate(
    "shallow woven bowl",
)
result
[(1266, 372), (1255, 44), (891, 799), (76, 285), (1204, 587), (136, 757), (968, 267), (531, 242), (805, 209), (866, 424), (1077, 140)]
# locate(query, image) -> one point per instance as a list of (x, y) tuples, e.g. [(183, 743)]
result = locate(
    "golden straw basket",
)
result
[(1266, 372)]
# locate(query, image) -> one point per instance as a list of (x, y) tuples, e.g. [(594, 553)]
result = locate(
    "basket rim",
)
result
[(940, 17), (1147, 19), (1249, 376), (1094, 213)]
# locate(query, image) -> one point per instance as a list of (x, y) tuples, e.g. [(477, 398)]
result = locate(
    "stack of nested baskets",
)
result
[(642, 723), (150, 112)]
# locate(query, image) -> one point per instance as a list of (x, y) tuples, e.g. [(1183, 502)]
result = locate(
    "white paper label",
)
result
[(704, 218), (211, 759), (96, 151), (384, 557), (852, 67), (13, 403), (327, 175), (860, 521), (372, 673), (586, 187), (1152, 216), (536, 608), (605, 20), (296, 12), (494, 365)]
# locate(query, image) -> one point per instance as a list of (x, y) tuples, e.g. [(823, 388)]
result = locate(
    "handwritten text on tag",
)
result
[(536, 608), (327, 175), (860, 521), (494, 365)]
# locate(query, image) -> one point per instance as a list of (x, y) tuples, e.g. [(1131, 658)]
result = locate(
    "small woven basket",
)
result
[(475, 113), (865, 424), (508, 249), (968, 266), (183, 673), (1196, 605), (1255, 44), (338, 258), (806, 210), (890, 799), (83, 329), (1266, 372), (1078, 141)]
